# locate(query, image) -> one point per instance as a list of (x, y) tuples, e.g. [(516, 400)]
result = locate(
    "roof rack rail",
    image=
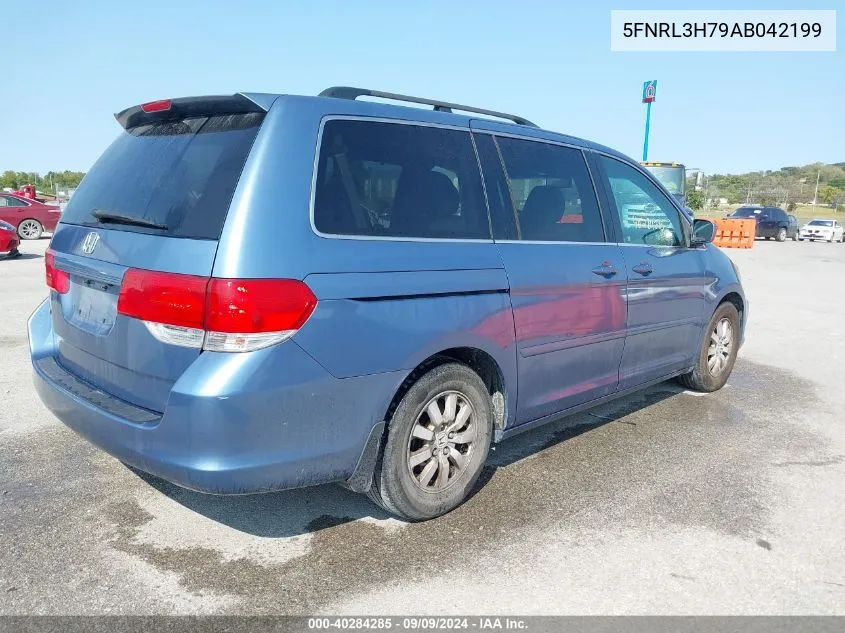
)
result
[(347, 92)]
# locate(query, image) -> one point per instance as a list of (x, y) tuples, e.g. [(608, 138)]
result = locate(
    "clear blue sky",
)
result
[(723, 112)]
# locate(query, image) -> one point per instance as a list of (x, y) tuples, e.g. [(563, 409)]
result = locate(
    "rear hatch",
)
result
[(156, 200)]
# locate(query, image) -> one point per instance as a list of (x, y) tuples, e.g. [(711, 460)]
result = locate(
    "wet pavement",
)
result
[(663, 502)]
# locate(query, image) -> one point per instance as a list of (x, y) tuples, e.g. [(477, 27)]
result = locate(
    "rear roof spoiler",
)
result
[(185, 107)]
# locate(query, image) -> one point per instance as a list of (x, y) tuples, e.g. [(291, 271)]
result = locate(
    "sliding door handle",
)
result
[(643, 268), (606, 270)]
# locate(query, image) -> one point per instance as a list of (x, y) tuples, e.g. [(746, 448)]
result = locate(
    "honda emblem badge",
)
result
[(90, 242)]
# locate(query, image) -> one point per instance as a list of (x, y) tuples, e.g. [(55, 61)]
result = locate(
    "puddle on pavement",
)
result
[(661, 456)]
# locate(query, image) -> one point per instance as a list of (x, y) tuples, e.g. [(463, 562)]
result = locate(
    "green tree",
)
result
[(695, 200), (828, 194), (46, 184)]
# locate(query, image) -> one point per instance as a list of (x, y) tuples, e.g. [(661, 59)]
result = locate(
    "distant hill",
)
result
[(785, 185)]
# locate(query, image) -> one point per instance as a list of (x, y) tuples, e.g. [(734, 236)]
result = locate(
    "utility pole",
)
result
[(649, 95), (816, 194)]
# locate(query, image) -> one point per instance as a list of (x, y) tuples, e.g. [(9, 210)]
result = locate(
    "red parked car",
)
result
[(8, 239), (30, 217)]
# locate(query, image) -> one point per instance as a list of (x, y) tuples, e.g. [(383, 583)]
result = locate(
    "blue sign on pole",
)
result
[(649, 95), (649, 91)]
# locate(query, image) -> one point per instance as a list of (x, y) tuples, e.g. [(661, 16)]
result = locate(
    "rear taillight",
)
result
[(57, 279), (165, 298), (244, 314), (224, 315)]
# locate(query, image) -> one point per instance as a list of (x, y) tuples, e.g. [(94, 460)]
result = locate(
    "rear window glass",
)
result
[(551, 192), (11, 201), (179, 174), (398, 180), (748, 212)]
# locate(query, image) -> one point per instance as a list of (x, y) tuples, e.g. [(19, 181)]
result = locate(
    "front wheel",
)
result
[(795, 237), (781, 236), (717, 354), (437, 442), (30, 229)]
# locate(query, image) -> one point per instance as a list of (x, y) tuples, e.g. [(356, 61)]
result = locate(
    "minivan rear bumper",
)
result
[(234, 423)]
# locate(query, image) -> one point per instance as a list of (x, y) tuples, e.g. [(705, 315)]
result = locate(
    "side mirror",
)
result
[(703, 232)]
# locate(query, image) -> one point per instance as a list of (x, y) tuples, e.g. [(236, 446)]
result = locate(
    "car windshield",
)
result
[(821, 223), (748, 212)]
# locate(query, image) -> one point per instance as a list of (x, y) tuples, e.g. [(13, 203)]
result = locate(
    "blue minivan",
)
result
[(257, 292)]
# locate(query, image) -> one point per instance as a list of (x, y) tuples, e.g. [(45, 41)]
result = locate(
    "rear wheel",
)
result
[(30, 229), (437, 442), (717, 354), (781, 236)]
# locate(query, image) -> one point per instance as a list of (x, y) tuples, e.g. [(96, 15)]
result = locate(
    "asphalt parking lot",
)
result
[(661, 503)]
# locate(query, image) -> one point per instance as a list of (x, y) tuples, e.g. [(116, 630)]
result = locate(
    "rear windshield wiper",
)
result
[(123, 218)]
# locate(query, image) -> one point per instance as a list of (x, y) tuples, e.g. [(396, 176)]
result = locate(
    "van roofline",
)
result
[(407, 112)]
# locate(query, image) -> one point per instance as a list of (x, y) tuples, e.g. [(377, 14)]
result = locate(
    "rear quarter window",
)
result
[(10, 201), (178, 173), (384, 179)]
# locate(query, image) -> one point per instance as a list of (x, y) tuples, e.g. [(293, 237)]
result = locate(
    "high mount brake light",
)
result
[(156, 106), (224, 315)]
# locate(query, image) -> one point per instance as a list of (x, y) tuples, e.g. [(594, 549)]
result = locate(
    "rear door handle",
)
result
[(606, 270), (643, 268)]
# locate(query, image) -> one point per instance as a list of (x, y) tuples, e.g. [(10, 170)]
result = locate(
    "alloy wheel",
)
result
[(29, 229), (442, 441), (721, 345)]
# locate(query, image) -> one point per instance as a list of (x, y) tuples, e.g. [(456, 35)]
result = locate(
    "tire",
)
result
[(795, 237), (30, 229), (701, 378), (781, 236), (422, 490), (800, 239), (767, 238)]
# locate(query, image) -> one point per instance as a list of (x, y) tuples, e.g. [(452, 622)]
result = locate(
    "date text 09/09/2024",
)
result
[(722, 29), (423, 623)]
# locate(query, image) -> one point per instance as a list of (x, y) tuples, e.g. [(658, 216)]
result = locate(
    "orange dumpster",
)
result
[(735, 233)]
